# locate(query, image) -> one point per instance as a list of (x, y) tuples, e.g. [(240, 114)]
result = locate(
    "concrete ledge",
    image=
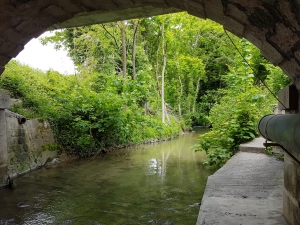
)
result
[(291, 208), (4, 101), (254, 146), (246, 190)]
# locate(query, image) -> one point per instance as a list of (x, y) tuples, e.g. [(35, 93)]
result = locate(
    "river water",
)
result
[(160, 183)]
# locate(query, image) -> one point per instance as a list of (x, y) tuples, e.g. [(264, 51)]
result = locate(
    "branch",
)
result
[(110, 35)]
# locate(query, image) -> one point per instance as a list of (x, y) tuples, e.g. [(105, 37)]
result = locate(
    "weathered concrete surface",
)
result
[(291, 191), (30, 145), (247, 190), (4, 101), (3, 148), (4, 104), (23, 147), (254, 146)]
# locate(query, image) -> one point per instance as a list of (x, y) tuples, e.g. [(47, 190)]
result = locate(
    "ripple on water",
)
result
[(151, 184)]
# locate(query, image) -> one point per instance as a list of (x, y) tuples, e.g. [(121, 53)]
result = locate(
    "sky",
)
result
[(46, 57)]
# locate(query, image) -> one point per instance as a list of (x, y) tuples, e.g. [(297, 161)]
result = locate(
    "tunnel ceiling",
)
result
[(273, 26)]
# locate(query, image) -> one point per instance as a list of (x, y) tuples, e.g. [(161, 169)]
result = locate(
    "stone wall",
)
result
[(291, 190), (29, 145), (4, 104), (288, 96), (23, 146)]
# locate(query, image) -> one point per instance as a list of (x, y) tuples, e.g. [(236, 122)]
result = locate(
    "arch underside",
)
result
[(273, 26)]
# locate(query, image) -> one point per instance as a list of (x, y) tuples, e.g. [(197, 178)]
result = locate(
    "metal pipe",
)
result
[(21, 119), (282, 129)]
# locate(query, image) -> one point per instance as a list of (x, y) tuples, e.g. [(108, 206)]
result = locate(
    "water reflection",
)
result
[(154, 166), (159, 166), (150, 184)]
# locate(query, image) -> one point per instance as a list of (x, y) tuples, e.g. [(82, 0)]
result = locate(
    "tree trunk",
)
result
[(146, 107), (179, 109), (194, 46), (180, 97), (156, 73), (163, 107), (166, 113), (124, 57), (135, 29), (196, 94)]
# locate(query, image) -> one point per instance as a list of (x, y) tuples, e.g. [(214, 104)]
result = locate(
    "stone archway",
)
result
[(273, 26)]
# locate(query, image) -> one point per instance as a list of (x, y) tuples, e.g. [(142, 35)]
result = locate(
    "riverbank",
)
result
[(65, 158), (68, 157), (246, 190)]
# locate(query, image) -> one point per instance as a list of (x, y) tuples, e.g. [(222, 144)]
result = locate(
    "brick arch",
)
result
[(273, 26)]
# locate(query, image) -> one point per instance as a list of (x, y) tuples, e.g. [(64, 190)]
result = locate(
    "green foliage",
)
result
[(234, 122), (87, 112), (234, 117), (206, 82), (107, 118), (269, 151), (51, 147), (26, 83), (197, 52)]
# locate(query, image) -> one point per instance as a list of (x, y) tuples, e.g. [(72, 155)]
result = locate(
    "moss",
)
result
[(40, 120), (24, 166), (50, 147), (42, 128)]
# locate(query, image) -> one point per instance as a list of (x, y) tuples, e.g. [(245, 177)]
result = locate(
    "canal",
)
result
[(159, 183)]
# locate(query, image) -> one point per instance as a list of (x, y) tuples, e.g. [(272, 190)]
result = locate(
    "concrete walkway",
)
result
[(254, 146), (247, 190)]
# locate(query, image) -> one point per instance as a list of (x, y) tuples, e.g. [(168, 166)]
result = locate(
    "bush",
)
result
[(87, 112)]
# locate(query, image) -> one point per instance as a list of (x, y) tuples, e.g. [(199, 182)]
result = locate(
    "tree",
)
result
[(124, 53), (135, 30)]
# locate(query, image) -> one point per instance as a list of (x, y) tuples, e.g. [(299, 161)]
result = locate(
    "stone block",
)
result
[(9, 48), (291, 182), (176, 4), (30, 145), (58, 13), (214, 10), (291, 210), (4, 101), (271, 53), (195, 8), (291, 68), (4, 60), (250, 36), (124, 3), (156, 2), (70, 7), (1, 70), (291, 193), (106, 5), (3, 174), (236, 14), (35, 29), (16, 37), (288, 96), (2, 126), (38, 33), (284, 38), (234, 27)]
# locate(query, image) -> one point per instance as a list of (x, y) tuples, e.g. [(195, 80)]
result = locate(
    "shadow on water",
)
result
[(161, 183)]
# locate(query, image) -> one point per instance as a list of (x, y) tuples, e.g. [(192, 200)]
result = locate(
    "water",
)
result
[(161, 183)]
